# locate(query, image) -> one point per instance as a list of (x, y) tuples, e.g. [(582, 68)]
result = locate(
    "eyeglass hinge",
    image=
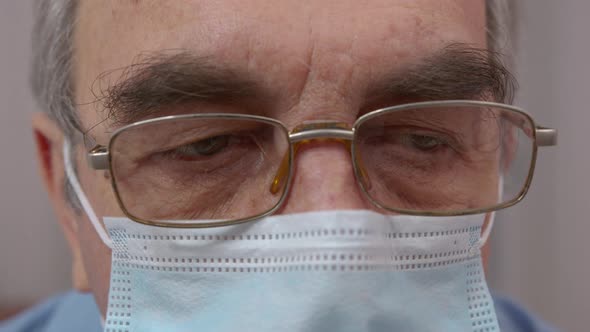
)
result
[(98, 157), (546, 136)]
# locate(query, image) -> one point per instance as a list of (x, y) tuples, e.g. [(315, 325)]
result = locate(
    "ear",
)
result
[(49, 142)]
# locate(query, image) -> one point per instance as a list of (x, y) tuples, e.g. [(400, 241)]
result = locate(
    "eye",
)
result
[(205, 147), (423, 142)]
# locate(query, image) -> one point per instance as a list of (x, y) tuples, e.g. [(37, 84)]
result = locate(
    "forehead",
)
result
[(336, 42)]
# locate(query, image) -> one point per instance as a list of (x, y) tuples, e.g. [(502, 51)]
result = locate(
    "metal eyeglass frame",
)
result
[(100, 158)]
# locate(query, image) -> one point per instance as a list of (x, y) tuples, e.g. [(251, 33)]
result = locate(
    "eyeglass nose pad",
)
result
[(361, 172), (280, 179)]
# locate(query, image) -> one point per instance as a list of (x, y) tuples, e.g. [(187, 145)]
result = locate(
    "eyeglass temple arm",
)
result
[(546, 136)]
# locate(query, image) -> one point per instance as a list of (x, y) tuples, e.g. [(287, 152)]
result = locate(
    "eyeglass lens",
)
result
[(444, 159), (198, 169), (439, 159)]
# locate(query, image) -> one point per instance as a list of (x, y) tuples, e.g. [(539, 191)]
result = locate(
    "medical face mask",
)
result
[(318, 271)]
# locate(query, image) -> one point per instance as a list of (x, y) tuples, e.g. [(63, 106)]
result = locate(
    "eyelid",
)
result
[(212, 144), (207, 134), (427, 135), (439, 133)]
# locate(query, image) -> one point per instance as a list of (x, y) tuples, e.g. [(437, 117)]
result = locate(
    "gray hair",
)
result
[(53, 52), (53, 49)]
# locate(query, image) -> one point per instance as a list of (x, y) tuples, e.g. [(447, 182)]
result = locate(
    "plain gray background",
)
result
[(539, 247)]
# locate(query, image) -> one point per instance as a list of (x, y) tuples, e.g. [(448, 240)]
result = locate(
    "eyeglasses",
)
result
[(430, 158)]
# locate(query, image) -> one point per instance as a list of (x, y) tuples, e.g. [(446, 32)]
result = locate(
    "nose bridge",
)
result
[(323, 176), (305, 133)]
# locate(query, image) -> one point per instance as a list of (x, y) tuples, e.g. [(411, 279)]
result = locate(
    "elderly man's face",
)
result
[(313, 59)]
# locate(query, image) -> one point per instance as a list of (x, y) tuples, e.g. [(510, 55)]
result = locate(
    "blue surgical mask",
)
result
[(317, 271)]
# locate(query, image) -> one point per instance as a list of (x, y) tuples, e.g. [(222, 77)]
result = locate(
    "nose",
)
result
[(323, 179)]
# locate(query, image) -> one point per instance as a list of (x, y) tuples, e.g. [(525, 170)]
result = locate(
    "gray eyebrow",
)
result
[(171, 78), (166, 80), (457, 71)]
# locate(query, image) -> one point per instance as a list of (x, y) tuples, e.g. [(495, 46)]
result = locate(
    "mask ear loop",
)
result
[(71, 176), (488, 230)]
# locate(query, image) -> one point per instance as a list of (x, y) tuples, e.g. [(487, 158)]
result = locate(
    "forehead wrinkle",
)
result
[(152, 11), (406, 37), (329, 67), (270, 47)]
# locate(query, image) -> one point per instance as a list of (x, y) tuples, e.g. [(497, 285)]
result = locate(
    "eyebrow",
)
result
[(457, 71), (165, 80)]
